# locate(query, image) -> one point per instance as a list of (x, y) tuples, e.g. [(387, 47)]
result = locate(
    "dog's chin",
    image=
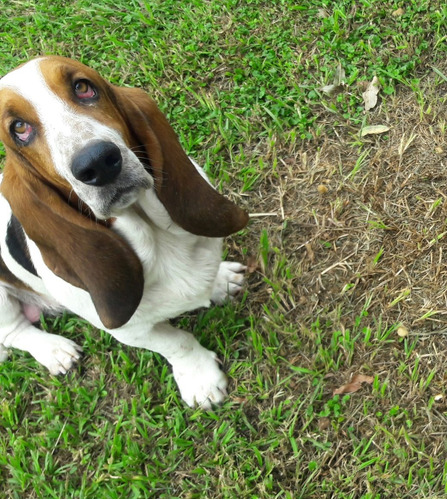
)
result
[(120, 201)]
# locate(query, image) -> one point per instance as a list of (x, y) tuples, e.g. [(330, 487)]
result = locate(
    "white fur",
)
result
[(181, 271)]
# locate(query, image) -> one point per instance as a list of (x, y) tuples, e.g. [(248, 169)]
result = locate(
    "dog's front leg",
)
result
[(55, 352), (196, 369)]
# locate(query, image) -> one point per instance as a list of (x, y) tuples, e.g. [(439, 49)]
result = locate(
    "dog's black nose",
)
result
[(97, 164)]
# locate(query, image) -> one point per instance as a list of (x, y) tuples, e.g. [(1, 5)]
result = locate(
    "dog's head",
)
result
[(77, 146), (80, 134)]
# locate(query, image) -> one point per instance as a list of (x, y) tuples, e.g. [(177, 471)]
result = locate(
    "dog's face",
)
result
[(63, 119), (100, 145)]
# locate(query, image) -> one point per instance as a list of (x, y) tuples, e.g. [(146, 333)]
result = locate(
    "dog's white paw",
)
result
[(200, 380), (229, 281), (56, 353)]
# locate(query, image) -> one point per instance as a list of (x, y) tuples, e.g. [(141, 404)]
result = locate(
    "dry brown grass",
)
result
[(333, 221)]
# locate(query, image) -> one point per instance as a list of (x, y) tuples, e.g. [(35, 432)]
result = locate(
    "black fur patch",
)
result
[(16, 243)]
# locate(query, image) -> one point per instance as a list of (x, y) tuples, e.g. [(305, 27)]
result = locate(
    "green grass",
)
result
[(241, 83)]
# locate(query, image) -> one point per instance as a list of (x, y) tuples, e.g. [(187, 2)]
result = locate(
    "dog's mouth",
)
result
[(124, 197)]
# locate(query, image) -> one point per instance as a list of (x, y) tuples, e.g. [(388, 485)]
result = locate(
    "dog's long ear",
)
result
[(189, 199), (78, 250)]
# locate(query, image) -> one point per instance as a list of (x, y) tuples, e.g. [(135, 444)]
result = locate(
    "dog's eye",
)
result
[(84, 89), (22, 130)]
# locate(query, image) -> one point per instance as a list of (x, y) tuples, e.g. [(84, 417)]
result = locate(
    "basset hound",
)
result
[(103, 214)]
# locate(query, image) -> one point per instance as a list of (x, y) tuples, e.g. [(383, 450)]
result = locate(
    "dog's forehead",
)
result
[(37, 80), (27, 80), (29, 84)]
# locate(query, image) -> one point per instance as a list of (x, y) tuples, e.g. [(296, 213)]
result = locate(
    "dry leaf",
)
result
[(310, 252), (339, 82), (324, 423), (346, 389), (398, 12), (354, 385), (340, 75), (252, 264), (402, 331), (239, 400), (359, 378), (374, 129), (370, 94), (330, 89)]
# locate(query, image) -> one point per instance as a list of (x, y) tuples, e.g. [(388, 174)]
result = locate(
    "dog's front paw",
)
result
[(229, 281), (200, 380), (56, 353)]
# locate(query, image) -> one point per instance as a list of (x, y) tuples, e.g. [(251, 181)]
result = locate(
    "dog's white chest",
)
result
[(179, 268)]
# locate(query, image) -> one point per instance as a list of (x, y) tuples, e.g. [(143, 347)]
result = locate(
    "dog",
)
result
[(103, 214)]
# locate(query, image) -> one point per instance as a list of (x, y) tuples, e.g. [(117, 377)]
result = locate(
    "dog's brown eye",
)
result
[(84, 90), (20, 127), (22, 130)]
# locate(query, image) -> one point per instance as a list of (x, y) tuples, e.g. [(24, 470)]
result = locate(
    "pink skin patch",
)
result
[(31, 312)]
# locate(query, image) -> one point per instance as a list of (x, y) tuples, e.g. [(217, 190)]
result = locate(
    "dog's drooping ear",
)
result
[(80, 251), (190, 201)]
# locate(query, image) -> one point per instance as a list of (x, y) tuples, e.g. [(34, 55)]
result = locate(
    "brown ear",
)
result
[(190, 201), (77, 249)]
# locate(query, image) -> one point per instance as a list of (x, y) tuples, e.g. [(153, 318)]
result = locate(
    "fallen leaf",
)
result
[(239, 400), (340, 75), (398, 12), (339, 82), (354, 385), (374, 129), (252, 264), (330, 89), (402, 331), (310, 252), (359, 378), (324, 423), (370, 94), (347, 388)]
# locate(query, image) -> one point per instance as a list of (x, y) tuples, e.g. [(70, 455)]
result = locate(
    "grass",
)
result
[(347, 243)]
